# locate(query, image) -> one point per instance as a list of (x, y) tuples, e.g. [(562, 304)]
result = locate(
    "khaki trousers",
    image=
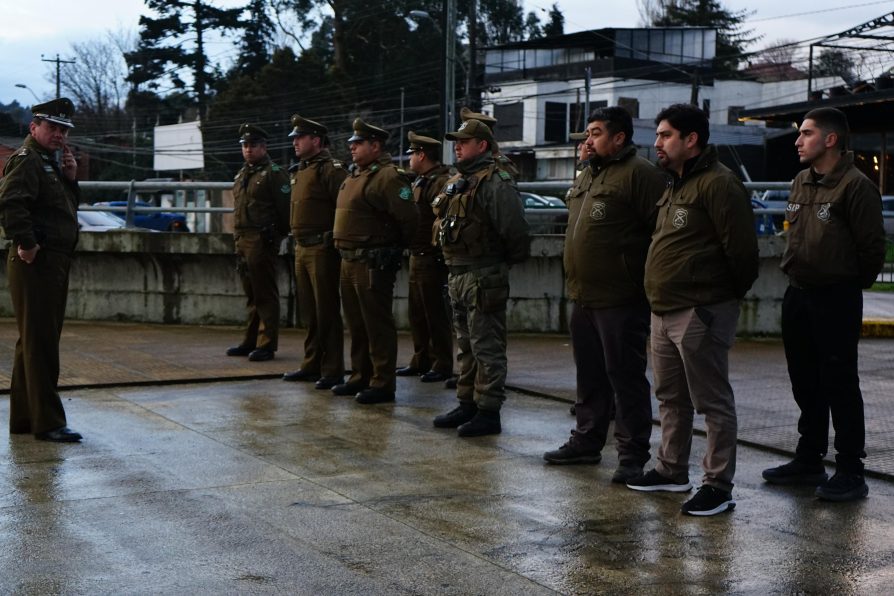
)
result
[(429, 317), (317, 274), (366, 296), (257, 269), (690, 363)]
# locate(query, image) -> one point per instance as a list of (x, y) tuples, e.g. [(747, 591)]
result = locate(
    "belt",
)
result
[(312, 240), (354, 254)]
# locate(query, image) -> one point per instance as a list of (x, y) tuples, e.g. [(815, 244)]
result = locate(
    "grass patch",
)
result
[(884, 286)]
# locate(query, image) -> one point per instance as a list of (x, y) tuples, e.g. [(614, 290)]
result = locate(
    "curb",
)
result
[(877, 328)]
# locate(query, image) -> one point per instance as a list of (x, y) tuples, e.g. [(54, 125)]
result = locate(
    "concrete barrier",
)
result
[(191, 279)]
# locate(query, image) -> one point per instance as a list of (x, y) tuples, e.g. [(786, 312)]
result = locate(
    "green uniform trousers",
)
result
[(257, 269), (39, 292), (429, 317), (366, 296), (479, 301), (317, 273)]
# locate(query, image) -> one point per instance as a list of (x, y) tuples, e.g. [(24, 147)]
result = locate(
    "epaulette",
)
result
[(374, 168), (338, 164), (504, 175)]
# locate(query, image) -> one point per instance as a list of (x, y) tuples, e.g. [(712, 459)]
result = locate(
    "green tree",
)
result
[(732, 39), (174, 42), (556, 24), (258, 29), (833, 62)]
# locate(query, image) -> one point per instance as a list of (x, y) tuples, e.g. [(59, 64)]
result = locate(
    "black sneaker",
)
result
[(796, 472), (459, 415), (626, 473), (652, 481), (572, 454), (709, 500), (843, 487)]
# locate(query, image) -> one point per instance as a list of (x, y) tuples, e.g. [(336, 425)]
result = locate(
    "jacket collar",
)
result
[(470, 166), (832, 179)]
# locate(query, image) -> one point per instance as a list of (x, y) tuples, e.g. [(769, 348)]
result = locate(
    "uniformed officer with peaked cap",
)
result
[(316, 179), (38, 211), (429, 317), (374, 220), (261, 196)]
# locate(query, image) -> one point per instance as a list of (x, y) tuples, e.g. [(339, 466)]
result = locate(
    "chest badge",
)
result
[(597, 213), (823, 214), (681, 217)]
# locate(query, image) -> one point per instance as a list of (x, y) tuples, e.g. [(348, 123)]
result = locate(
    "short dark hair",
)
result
[(616, 119), (432, 154), (830, 120), (686, 118)]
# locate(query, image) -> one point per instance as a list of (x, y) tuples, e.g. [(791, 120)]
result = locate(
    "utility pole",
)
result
[(59, 62)]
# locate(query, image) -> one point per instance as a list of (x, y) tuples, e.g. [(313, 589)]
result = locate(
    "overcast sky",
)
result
[(29, 29)]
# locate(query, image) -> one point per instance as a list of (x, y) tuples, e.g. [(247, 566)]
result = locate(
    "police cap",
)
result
[(305, 126), (58, 110), (472, 129), (467, 114), (249, 133), (419, 142), (367, 132)]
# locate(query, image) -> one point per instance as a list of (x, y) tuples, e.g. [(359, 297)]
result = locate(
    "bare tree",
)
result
[(781, 51), (96, 80), (650, 10)]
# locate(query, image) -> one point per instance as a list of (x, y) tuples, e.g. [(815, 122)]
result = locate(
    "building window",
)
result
[(555, 129), (732, 114), (631, 104), (511, 119)]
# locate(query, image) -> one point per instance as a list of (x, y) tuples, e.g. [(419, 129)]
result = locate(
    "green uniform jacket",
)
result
[(836, 230), (375, 208), (483, 222), (315, 185), (704, 249), (38, 205), (425, 188), (612, 211), (261, 194)]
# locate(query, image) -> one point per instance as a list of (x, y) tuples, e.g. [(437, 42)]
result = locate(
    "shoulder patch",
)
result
[(374, 167), (285, 189), (405, 193), (504, 175), (274, 168)]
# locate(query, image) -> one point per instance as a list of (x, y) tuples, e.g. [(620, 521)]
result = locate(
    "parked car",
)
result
[(543, 214), (160, 221), (99, 221), (535, 201)]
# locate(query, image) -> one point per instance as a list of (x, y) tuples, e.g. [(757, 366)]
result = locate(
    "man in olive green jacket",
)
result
[(702, 260), (609, 229), (261, 196), (835, 248), (38, 210), (316, 179)]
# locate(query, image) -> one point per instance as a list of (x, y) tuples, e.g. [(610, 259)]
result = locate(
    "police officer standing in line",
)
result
[(482, 231), (374, 220), (316, 179), (428, 314), (261, 195), (702, 260), (835, 247), (609, 230), (501, 160), (38, 211)]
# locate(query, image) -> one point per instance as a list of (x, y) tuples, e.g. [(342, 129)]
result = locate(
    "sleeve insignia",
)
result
[(504, 175), (405, 193), (285, 189)]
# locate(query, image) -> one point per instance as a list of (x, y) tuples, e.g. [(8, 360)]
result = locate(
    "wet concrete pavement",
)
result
[(252, 485)]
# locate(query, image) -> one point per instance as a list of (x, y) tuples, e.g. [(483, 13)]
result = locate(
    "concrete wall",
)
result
[(191, 279)]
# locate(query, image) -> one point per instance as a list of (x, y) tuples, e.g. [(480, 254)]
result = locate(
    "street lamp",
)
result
[(24, 86), (449, 92)]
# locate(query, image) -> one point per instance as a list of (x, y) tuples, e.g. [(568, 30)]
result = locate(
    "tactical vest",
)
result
[(425, 189), (462, 227), (359, 223), (313, 210)]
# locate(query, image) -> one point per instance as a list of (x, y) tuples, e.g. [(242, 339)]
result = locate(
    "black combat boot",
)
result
[(485, 422), (461, 414)]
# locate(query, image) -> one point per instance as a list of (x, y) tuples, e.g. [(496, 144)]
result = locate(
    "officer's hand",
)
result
[(69, 164), (28, 255)]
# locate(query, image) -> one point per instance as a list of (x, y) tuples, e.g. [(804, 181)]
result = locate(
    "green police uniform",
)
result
[(374, 219), (315, 184), (38, 206), (261, 195), (482, 231), (428, 314)]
